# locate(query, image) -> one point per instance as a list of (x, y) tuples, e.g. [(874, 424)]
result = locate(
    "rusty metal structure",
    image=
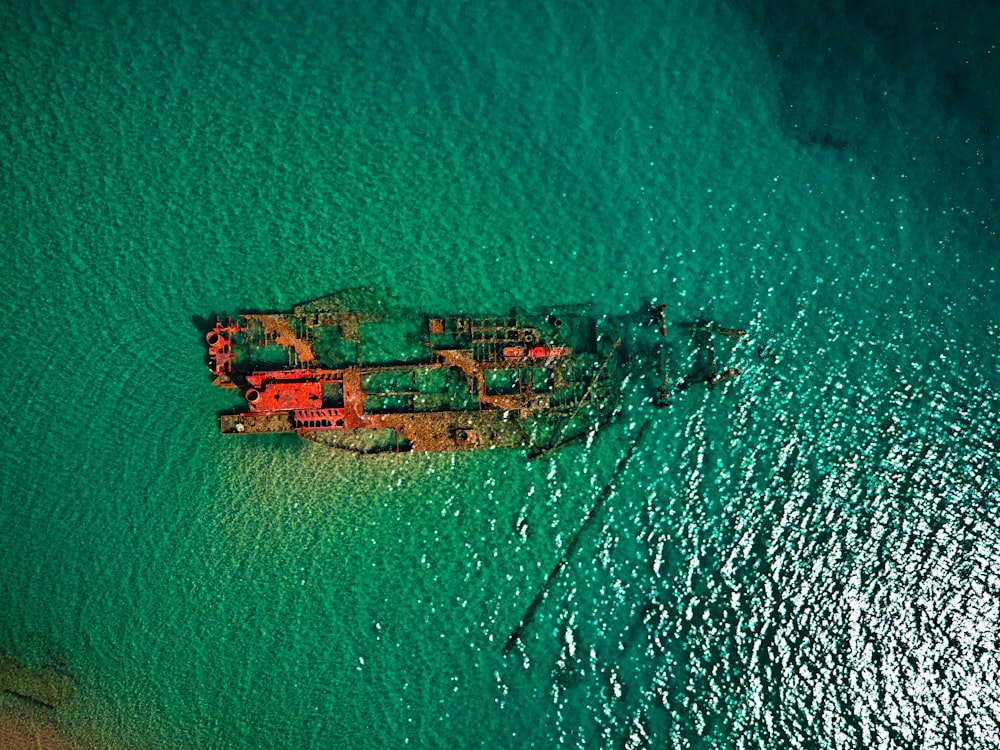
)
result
[(350, 372)]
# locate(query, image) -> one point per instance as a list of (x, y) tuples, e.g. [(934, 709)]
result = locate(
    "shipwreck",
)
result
[(352, 372)]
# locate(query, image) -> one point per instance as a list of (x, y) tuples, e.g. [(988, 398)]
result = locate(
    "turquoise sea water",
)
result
[(805, 558)]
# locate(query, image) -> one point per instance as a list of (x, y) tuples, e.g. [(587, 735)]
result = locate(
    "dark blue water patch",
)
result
[(906, 87)]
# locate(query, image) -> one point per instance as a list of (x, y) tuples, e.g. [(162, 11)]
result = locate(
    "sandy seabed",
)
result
[(27, 729)]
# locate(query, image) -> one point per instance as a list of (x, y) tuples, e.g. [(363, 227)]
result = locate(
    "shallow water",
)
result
[(803, 558)]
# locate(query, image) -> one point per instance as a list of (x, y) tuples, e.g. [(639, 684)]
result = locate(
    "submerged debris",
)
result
[(564, 558)]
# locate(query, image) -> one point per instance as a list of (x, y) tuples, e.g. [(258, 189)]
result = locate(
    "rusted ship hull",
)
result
[(349, 372)]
